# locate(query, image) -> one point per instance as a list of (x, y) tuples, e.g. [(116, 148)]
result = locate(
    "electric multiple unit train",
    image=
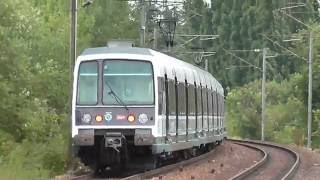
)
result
[(129, 100)]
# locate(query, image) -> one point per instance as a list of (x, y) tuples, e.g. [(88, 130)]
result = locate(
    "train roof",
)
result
[(163, 64), (116, 50)]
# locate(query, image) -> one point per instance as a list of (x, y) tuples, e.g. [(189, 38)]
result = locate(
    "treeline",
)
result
[(244, 27), (34, 78)]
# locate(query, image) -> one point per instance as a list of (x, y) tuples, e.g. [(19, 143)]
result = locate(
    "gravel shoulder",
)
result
[(309, 168), (227, 160)]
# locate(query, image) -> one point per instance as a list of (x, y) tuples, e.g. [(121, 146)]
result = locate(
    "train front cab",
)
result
[(114, 110)]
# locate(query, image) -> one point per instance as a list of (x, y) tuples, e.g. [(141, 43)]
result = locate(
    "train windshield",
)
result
[(88, 83), (131, 81)]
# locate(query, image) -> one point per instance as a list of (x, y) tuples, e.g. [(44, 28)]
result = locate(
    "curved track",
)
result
[(279, 163), (171, 167), (155, 172)]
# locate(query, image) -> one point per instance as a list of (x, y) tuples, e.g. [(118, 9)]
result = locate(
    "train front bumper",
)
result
[(86, 137)]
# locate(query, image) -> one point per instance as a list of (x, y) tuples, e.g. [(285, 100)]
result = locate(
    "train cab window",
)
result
[(131, 81), (88, 83), (172, 97)]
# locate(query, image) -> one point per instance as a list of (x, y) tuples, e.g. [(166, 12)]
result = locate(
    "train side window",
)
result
[(186, 96), (209, 102), (218, 109), (221, 105), (161, 91), (214, 103), (191, 100), (172, 97), (200, 109), (219, 101), (166, 87), (199, 101), (204, 101), (176, 90), (210, 107), (181, 98), (196, 92)]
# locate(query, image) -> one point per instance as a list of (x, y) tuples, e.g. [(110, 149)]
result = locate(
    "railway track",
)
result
[(165, 169), (158, 171), (278, 162)]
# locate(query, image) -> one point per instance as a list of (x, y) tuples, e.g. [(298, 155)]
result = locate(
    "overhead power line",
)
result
[(276, 43), (241, 59)]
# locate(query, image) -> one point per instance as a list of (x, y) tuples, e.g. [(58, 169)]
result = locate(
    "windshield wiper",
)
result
[(116, 97)]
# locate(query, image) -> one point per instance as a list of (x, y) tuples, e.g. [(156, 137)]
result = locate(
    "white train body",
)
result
[(172, 104)]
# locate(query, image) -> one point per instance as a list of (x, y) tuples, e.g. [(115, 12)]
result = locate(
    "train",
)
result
[(131, 102)]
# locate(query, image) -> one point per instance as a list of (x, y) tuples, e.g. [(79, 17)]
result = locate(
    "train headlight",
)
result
[(131, 118), (143, 118), (99, 118), (86, 118)]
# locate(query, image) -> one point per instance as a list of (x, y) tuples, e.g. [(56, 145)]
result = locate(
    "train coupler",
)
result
[(114, 140)]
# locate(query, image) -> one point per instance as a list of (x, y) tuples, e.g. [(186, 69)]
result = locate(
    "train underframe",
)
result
[(116, 150)]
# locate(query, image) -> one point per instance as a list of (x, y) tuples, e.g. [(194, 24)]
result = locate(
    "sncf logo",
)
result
[(120, 117)]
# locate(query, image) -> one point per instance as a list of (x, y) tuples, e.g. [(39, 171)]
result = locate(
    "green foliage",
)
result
[(249, 25), (243, 116), (243, 25), (285, 113), (34, 78), (34, 160), (112, 20)]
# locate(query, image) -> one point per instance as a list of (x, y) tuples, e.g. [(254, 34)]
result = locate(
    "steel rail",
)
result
[(82, 177), (290, 172), (255, 166), (171, 167)]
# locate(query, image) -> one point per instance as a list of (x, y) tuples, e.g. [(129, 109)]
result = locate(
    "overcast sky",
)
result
[(208, 1)]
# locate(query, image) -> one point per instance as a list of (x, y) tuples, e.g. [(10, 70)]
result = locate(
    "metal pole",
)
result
[(73, 53), (154, 37), (263, 93), (206, 64), (142, 23), (310, 90), (73, 33)]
